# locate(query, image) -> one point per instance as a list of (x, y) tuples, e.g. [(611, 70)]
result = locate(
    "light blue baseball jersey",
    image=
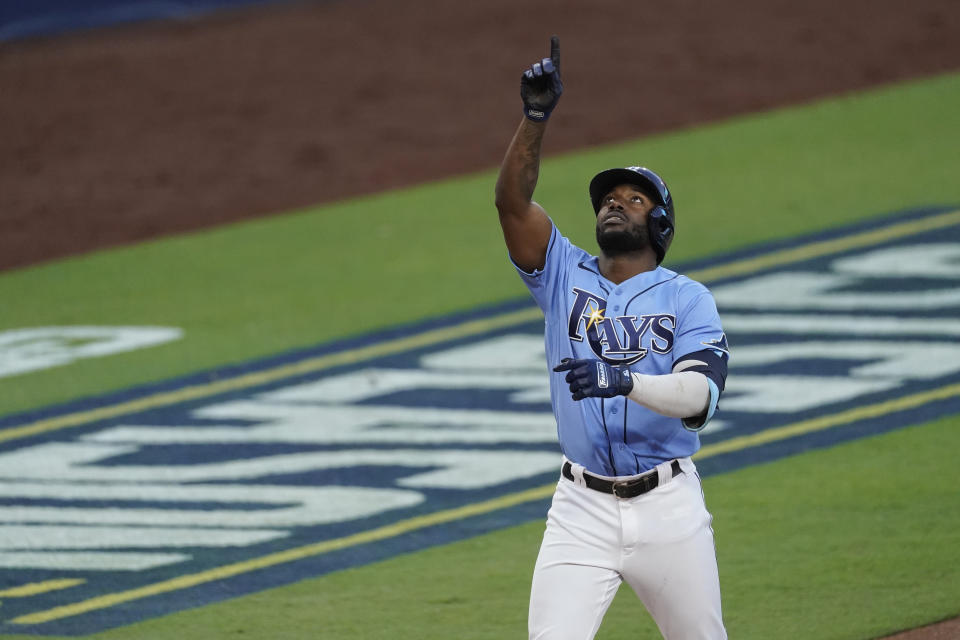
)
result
[(647, 322)]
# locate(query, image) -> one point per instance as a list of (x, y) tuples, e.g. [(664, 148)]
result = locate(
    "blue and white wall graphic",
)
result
[(161, 498)]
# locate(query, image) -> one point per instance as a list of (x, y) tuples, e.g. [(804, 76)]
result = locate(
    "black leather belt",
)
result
[(622, 488)]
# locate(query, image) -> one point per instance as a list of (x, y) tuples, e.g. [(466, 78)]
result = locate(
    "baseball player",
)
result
[(639, 361)]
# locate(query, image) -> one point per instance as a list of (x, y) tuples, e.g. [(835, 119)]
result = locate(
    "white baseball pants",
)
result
[(660, 543)]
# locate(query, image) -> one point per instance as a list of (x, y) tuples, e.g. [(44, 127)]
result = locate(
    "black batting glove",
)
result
[(540, 85), (596, 378)]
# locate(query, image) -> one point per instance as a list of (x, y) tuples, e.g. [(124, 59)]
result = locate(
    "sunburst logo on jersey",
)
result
[(596, 316)]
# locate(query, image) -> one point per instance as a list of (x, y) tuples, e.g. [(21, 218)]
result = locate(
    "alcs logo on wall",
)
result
[(339, 455)]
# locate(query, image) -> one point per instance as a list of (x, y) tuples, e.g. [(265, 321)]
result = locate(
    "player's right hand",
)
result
[(540, 85), (595, 378)]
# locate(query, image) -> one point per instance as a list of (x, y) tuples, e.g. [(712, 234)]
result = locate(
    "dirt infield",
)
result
[(127, 133), (948, 630)]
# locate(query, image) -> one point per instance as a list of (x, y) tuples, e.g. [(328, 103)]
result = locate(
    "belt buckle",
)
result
[(619, 487)]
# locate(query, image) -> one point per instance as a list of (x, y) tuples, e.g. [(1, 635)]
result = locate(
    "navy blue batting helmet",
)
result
[(661, 221)]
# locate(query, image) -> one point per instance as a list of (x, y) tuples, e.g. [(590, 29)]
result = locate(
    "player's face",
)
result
[(622, 220)]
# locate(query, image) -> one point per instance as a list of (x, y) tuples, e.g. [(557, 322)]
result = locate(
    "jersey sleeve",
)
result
[(546, 285), (700, 339), (698, 322)]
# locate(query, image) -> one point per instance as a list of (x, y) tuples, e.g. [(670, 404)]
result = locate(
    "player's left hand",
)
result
[(596, 378), (540, 85)]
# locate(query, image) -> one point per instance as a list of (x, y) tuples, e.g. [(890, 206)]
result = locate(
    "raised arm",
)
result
[(526, 227)]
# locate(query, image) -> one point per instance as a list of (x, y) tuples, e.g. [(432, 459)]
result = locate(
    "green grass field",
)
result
[(279, 283), (871, 547)]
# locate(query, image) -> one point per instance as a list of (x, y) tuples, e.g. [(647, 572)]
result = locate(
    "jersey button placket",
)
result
[(614, 303)]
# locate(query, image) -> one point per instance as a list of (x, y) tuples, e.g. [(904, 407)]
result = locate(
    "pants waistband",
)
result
[(622, 488)]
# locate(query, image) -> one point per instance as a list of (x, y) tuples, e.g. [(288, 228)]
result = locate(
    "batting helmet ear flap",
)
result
[(660, 226)]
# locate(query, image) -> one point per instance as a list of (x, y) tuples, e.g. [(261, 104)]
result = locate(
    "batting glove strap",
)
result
[(537, 115), (595, 378)]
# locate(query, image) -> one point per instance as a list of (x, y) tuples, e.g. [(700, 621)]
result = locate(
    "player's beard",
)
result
[(630, 239)]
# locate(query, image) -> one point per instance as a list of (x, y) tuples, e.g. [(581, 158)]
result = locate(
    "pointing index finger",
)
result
[(555, 51)]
